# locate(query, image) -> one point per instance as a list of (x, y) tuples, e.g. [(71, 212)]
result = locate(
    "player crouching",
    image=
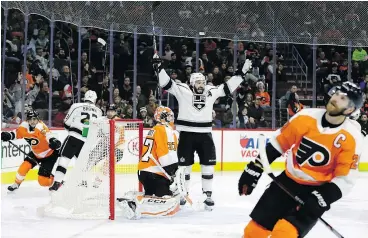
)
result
[(158, 172), (44, 150)]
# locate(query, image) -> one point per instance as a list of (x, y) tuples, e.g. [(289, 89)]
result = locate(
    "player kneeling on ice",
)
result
[(44, 149), (320, 167), (158, 171)]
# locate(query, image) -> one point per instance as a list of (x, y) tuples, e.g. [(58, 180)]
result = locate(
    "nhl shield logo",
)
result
[(199, 101)]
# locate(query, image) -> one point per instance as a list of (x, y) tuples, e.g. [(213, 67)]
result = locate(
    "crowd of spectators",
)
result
[(216, 61)]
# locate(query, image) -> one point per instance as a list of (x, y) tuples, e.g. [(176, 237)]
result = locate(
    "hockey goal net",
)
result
[(105, 169)]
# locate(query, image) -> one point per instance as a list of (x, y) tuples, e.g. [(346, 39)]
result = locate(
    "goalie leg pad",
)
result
[(158, 206), (207, 177)]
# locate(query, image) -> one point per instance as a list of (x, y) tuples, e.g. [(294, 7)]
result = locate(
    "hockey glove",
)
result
[(249, 178), (244, 68), (157, 63), (6, 136), (319, 200), (54, 144)]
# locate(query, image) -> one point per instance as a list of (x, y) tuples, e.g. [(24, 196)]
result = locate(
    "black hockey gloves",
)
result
[(249, 178), (319, 200), (54, 144), (5, 136)]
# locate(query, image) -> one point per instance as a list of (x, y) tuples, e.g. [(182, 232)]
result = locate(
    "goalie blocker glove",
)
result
[(54, 144)]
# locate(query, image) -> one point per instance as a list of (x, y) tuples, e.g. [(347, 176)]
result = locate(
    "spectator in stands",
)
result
[(151, 107), (364, 122), (147, 120), (256, 114), (333, 78), (294, 105), (356, 73), (58, 120), (167, 54), (265, 97), (244, 119), (216, 123), (126, 91), (42, 99), (174, 63), (364, 83), (280, 72), (128, 114), (359, 54)]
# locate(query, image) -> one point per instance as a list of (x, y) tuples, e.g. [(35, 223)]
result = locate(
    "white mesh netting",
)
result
[(86, 192)]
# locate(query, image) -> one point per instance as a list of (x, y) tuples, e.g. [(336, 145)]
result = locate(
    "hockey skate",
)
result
[(13, 187), (208, 203), (56, 186)]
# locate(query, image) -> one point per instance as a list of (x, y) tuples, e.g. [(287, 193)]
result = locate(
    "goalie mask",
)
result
[(164, 115), (198, 82), (355, 95)]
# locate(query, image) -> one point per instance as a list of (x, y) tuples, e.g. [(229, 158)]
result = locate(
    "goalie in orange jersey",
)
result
[(44, 149), (324, 146), (158, 172)]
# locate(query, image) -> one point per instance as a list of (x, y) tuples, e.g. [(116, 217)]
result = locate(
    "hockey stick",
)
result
[(153, 6), (187, 198), (17, 147), (267, 169)]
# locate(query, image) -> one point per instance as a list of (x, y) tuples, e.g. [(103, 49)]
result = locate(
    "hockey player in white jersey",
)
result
[(75, 122), (194, 120)]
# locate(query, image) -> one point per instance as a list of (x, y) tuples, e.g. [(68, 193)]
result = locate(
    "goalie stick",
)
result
[(267, 169), (182, 184)]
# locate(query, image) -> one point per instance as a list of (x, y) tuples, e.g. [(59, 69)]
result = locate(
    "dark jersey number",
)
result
[(86, 116)]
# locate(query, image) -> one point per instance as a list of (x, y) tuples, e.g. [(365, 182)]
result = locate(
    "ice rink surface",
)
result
[(19, 217)]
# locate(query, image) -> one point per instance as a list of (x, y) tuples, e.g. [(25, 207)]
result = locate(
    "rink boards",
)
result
[(234, 148)]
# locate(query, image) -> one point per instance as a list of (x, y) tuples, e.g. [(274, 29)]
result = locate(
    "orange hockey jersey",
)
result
[(161, 143), (318, 155), (38, 139)]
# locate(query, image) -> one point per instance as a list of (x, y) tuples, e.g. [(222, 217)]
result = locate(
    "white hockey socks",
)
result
[(207, 177)]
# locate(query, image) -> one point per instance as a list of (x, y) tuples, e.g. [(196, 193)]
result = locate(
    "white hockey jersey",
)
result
[(195, 110), (78, 114)]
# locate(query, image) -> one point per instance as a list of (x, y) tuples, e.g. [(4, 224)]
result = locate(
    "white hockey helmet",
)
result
[(195, 77), (90, 96)]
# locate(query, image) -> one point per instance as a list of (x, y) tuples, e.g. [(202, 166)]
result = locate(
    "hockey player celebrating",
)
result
[(194, 121), (320, 167), (75, 122), (44, 149), (159, 160)]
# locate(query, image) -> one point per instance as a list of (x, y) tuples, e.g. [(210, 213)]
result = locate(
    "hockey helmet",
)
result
[(90, 96), (352, 91), (196, 77), (164, 115), (32, 114)]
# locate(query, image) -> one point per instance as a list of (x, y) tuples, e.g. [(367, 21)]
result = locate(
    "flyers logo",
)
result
[(312, 153), (32, 141)]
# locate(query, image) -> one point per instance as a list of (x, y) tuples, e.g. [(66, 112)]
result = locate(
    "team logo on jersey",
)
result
[(199, 101), (312, 153), (32, 141)]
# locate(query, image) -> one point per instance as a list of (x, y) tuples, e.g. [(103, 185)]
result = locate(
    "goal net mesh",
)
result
[(105, 168)]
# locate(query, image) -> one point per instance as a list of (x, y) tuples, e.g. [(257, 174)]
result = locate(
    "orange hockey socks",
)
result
[(45, 181), (22, 171), (253, 230), (284, 229)]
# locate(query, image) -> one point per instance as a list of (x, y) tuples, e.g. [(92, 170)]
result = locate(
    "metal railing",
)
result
[(299, 68)]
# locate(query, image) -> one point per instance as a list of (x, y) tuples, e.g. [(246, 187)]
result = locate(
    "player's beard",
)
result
[(333, 110), (198, 90)]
